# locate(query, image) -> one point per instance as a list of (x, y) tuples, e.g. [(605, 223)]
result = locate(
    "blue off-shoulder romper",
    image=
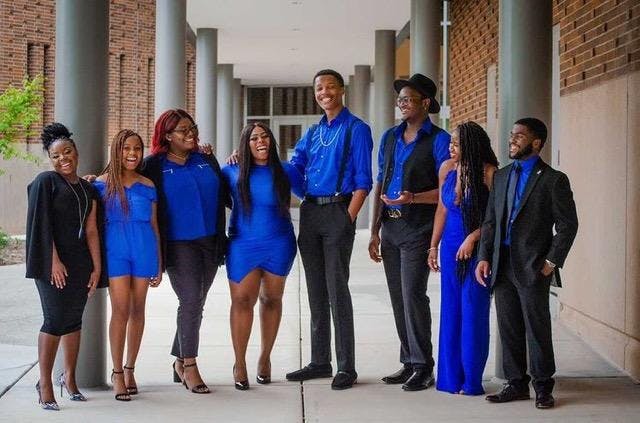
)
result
[(131, 243), (265, 238)]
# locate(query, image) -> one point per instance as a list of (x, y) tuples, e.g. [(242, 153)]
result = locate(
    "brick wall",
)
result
[(599, 40), (473, 47), (27, 48)]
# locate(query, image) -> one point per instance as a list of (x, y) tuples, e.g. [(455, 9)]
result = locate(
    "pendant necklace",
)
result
[(331, 140), (81, 215), (177, 156)]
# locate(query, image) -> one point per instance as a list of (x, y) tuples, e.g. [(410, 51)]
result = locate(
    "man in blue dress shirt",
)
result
[(409, 158), (335, 157)]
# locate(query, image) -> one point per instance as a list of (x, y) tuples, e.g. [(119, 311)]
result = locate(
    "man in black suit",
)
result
[(520, 255)]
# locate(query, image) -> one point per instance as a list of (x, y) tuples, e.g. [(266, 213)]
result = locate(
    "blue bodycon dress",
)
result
[(264, 239), (131, 244)]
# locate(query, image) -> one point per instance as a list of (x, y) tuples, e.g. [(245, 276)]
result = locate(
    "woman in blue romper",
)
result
[(465, 180), (262, 244), (132, 245)]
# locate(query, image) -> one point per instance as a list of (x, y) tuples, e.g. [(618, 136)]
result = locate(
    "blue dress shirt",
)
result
[(191, 191), (318, 158), (526, 166), (403, 151)]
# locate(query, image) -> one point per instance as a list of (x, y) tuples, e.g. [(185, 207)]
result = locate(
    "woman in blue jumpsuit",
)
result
[(464, 311), (132, 246), (262, 244)]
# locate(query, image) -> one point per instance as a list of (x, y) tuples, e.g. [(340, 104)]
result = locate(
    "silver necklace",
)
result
[(81, 215), (325, 143)]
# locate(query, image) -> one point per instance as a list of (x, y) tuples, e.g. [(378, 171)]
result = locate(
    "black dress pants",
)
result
[(404, 256), (326, 242), (524, 319)]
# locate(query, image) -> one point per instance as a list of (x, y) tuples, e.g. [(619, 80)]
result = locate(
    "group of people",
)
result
[(442, 205)]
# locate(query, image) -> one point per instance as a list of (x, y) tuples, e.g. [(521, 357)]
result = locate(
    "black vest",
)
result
[(419, 175)]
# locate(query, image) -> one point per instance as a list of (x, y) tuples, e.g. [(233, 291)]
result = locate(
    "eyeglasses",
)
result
[(401, 101), (193, 129)]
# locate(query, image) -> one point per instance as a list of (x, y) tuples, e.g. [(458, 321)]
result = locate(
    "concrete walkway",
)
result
[(587, 389)]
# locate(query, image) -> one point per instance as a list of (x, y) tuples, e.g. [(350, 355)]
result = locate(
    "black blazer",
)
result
[(547, 204)]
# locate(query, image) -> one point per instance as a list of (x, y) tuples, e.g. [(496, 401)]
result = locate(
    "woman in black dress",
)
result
[(63, 256)]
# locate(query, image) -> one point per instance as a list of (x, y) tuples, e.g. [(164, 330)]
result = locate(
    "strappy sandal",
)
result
[(122, 396), (200, 389), (133, 389)]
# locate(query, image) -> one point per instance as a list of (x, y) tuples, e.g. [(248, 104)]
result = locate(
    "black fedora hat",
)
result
[(423, 85)]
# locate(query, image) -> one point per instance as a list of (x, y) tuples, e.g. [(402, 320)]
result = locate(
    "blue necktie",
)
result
[(514, 177)]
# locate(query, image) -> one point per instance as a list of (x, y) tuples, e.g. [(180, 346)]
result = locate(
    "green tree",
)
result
[(20, 108)]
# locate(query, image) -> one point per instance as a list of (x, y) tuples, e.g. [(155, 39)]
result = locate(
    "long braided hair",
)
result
[(115, 187), (281, 185), (475, 152)]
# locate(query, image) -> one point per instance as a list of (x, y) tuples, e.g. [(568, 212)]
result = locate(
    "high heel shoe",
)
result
[(240, 385), (121, 396), (264, 379), (176, 376), (200, 389), (73, 396), (46, 405), (133, 389)]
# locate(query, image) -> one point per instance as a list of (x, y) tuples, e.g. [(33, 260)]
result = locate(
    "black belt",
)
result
[(322, 201)]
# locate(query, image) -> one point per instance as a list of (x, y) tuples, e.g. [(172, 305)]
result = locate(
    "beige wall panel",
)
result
[(593, 131), (632, 359), (13, 190), (608, 342), (633, 214)]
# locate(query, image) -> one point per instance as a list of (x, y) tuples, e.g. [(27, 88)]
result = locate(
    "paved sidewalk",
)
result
[(588, 388)]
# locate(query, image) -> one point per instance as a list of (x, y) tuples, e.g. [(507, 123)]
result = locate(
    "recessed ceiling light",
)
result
[(293, 49), (296, 2), (295, 29)]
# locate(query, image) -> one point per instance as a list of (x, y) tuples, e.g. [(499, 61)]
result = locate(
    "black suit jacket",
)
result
[(547, 204)]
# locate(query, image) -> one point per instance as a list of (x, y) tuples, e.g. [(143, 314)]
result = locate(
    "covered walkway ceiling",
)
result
[(287, 41)]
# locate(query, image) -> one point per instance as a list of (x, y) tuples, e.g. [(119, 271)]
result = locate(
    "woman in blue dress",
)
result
[(465, 180), (132, 246), (262, 244)]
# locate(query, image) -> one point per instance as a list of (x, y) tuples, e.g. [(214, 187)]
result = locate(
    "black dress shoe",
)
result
[(312, 371), (509, 393), (401, 376), (419, 380), (344, 380), (544, 400)]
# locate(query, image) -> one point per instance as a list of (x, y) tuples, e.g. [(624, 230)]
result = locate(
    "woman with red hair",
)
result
[(191, 217)]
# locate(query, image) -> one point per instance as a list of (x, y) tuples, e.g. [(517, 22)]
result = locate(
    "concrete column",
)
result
[(383, 107), (171, 20), (349, 93), (81, 93), (425, 37), (237, 111), (224, 138), (523, 92), (359, 102), (206, 83)]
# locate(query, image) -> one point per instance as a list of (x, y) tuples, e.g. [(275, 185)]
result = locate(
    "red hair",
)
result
[(165, 124)]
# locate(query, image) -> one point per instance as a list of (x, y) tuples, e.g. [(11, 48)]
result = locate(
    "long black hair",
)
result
[(475, 152), (281, 185)]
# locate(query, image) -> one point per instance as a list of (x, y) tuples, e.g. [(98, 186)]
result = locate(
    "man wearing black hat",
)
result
[(408, 161)]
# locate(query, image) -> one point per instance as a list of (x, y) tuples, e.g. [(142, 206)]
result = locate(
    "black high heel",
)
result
[(176, 375), (132, 390), (48, 405), (73, 396), (122, 396), (200, 389), (263, 380), (240, 385)]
